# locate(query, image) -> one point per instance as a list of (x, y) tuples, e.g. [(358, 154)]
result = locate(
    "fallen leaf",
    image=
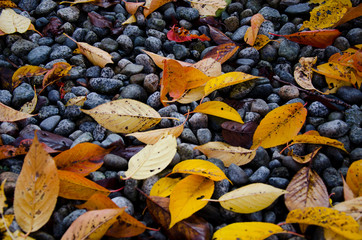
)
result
[(209, 66), (53, 27), (53, 141), (92, 225), (131, 19), (352, 13), (352, 207), (208, 7), (334, 220), (223, 52), (318, 38), (29, 107), (75, 186), (218, 36), (247, 230), (226, 153), (76, 101), (7, 114), (306, 189), (100, 3), (7, 4), (306, 158), (354, 177), (58, 71), (6, 220), (158, 60), (260, 41), (334, 70), (237, 134), (250, 198), (303, 73), (26, 71), (36, 189), (180, 34), (164, 186), (98, 201), (191, 95), (313, 139), (187, 197), (334, 84), (219, 109), (151, 5), (152, 159), (125, 116), (200, 167), (11, 22), (347, 191), (227, 79), (280, 125), (3, 203), (252, 32), (99, 21), (132, 7)]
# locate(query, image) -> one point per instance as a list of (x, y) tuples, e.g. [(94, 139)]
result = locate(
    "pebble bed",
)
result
[(135, 76)]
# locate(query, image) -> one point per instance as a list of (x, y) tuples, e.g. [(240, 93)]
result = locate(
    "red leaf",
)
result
[(237, 134), (99, 21), (218, 36), (318, 38), (53, 27), (182, 35)]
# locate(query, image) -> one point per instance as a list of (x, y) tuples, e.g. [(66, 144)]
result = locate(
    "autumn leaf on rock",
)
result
[(218, 36), (29, 107), (98, 201), (99, 21), (11, 22), (7, 4), (131, 19), (334, 220), (132, 7), (187, 197), (191, 95), (76, 101), (219, 109), (280, 126), (36, 189), (260, 41), (354, 177), (226, 153), (58, 71), (92, 225), (223, 52), (152, 159), (252, 32), (7, 114), (151, 5), (164, 186), (208, 7), (26, 71), (125, 116), (158, 60), (352, 207), (306, 158), (316, 139), (180, 34), (200, 167), (352, 13), (247, 230), (303, 73)]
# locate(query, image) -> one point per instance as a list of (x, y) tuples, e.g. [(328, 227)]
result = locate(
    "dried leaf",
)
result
[(36, 189), (27, 71), (303, 73), (223, 52), (98, 201), (318, 38), (226, 153), (187, 197), (352, 208), (209, 66), (164, 186), (131, 19), (7, 4), (8, 114), (313, 139), (76, 101), (334, 84), (6, 220), (125, 116), (247, 230), (306, 158), (260, 41), (347, 191), (11, 22), (158, 60), (352, 13), (354, 177), (219, 109), (252, 32), (152, 159), (53, 27), (200, 167), (208, 7), (92, 225), (334, 220), (151, 5), (75, 186), (99, 21), (29, 107), (335, 70), (251, 198), (132, 7), (237, 134), (280, 126), (191, 95), (218, 36), (58, 71), (51, 140), (227, 79), (180, 34), (2, 198)]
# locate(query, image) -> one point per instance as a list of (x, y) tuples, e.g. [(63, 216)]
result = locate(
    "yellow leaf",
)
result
[(260, 41), (125, 116), (251, 198), (7, 4), (95, 55), (11, 22), (330, 235), (354, 177), (334, 84), (227, 153), (76, 101), (252, 32), (75, 186), (334, 220), (152, 159), (209, 66), (36, 189), (219, 109), (29, 107), (191, 95), (353, 208), (98, 201), (92, 225), (7, 114), (306, 189), (164, 186), (306, 158), (6, 220), (200, 167), (130, 20), (2, 198), (152, 5), (247, 230), (303, 73), (280, 125), (334, 70), (187, 197), (352, 13), (312, 139), (208, 7), (26, 72), (227, 79)]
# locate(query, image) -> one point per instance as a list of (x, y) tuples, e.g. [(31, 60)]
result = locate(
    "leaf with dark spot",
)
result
[(237, 134)]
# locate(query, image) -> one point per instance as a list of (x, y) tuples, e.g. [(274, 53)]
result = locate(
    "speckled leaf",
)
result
[(7, 4), (335, 70), (7, 114), (351, 13), (252, 32), (58, 71), (303, 73), (26, 71), (208, 7), (219, 109), (222, 52), (306, 158), (354, 177), (98, 201), (76, 101), (260, 41), (36, 189), (6, 219), (313, 139), (164, 186), (209, 66), (11, 22), (353, 208), (132, 7), (125, 116), (2, 198)]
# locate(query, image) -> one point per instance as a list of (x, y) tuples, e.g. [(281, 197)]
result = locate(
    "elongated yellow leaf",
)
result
[(247, 230), (152, 159), (200, 167), (354, 177), (186, 197), (130, 20), (335, 70), (125, 116), (151, 137), (2, 198), (11, 22), (251, 198), (7, 114), (280, 126), (164, 186), (306, 158), (191, 95), (313, 139), (227, 79), (208, 7), (306, 189), (227, 153), (334, 220), (219, 109), (93, 224), (36, 189)]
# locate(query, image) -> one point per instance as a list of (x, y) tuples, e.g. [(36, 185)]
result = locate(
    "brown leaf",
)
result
[(26, 72), (7, 114), (347, 192), (252, 32), (58, 71), (223, 52), (98, 201), (99, 21), (132, 7), (303, 73), (151, 5), (218, 36), (5, 78), (126, 226), (53, 27), (237, 134)]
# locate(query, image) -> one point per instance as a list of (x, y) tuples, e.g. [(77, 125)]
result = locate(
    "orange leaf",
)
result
[(182, 35), (126, 226), (152, 5), (26, 72), (75, 186), (357, 61), (354, 177), (58, 71), (98, 201), (252, 32), (318, 38), (352, 13), (223, 52), (280, 125), (7, 4), (7, 114), (158, 60), (132, 7)]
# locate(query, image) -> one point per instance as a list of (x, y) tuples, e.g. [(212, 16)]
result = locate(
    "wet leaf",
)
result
[(334, 220), (226, 153), (303, 73), (218, 36), (306, 189), (219, 109), (247, 230), (158, 60), (7, 4), (11, 22), (152, 159), (336, 71), (36, 189), (99, 21), (151, 5), (26, 71), (7, 114), (125, 116), (280, 126), (314, 139), (180, 34), (260, 41), (252, 32), (354, 177), (223, 52), (187, 197), (200, 167), (98, 201), (58, 71), (75, 186), (318, 38), (208, 7), (352, 13), (237, 134), (164, 186)]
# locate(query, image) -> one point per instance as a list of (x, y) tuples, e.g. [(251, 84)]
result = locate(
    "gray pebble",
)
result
[(287, 29), (148, 184), (260, 175), (189, 14), (332, 178), (64, 127), (259, 106), (317, 109), (240, 90), (355, 135), (198, 120), (50, 123), (72, 112), (268, 53), (105, 85), (68, 220), (124, 202), (153, 44), (188, 136), (350, 95), (84, 137), (297, 9), (62, 51), (278, 182), (111, 138), (204, 135), (22, 47), (354, 36), (238, 35), (356, 154), (131, 69), (96, 176), (333, 129), (45, 7), (267, 27), (154, 100), (109, 45), (146, 62), (115, 162), (134, 91), (5, 97), (186, 151), (270, 217), (125, 43), (237, 175), (22, 94), (87, 126), (28, 5), (289, 50), (180, 51), (341, 43), (69, 14), (353, 116), (249, 53), (150, 82), (270, 14), (221, 188)]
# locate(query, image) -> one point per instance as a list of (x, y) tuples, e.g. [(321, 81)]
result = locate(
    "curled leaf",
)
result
[(223, 52), (313, 139), (208, 7), (252, 32), (303, 73)]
